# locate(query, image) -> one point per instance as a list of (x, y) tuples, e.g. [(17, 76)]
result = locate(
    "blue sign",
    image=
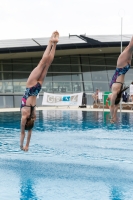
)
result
[(66, 98)]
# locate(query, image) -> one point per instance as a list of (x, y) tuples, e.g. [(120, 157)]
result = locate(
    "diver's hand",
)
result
[(26, 148), (113, 120), (21, 147)]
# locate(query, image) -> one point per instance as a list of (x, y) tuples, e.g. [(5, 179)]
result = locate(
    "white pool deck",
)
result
[(88, 108)]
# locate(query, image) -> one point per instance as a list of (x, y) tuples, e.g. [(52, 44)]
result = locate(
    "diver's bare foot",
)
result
[(55, 37)]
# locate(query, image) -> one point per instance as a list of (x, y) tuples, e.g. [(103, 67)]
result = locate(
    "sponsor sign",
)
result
[(58, 99)]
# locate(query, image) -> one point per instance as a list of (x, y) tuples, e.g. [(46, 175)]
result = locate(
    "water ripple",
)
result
[(68, 149)]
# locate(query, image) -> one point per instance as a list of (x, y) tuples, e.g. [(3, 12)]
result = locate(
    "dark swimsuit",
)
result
[(32, 91), (118, 72), (120, 83)]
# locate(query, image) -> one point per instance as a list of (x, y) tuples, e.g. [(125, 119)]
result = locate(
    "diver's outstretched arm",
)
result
[(112, 102), (28, 140)]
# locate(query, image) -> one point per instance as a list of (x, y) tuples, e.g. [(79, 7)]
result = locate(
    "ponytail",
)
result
[(118, 98)]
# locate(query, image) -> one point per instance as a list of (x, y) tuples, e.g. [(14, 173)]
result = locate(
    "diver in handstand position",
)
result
[(33, 87), (123, 65)]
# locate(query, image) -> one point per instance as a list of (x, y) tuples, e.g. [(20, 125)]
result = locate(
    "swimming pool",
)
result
[(73, 155)]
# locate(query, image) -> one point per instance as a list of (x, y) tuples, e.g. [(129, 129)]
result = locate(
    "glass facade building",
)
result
[(67, 74), (81, 64)]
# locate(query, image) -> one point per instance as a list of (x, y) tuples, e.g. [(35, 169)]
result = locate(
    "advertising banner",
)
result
[(62, 100), (131, 89)]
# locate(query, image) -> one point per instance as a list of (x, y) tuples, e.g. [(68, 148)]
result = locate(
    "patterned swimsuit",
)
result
[(118, 72), (33, 91)]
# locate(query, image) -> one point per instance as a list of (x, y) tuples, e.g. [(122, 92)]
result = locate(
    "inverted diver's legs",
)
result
[(36, 73), (49, 61), (126, 56)]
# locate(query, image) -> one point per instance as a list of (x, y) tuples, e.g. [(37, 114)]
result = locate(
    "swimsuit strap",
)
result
[(119, 82)]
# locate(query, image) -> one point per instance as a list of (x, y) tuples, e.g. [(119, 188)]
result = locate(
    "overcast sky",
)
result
[(39, 18)]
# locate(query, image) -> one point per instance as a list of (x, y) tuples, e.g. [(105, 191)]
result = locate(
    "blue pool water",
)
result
[(73, 155)]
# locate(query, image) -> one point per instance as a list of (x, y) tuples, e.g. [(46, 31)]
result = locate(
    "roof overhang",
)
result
[(72, 45), (66, 52)]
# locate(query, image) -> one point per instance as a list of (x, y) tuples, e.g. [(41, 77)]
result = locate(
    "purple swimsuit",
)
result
[(33, 91)]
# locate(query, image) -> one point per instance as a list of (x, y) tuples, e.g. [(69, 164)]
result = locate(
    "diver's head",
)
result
[(29, 124)]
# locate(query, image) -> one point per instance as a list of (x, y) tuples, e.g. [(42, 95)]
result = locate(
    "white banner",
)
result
[(62, 100), (131, 89)]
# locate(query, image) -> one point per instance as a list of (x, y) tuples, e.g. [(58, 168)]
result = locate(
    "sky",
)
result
[(21, 19)]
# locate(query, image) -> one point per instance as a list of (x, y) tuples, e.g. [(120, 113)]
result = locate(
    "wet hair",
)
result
[(29, 124), (119, 95), (117, 101)]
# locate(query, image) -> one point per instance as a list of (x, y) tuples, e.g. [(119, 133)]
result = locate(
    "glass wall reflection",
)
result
[(67, 74)]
